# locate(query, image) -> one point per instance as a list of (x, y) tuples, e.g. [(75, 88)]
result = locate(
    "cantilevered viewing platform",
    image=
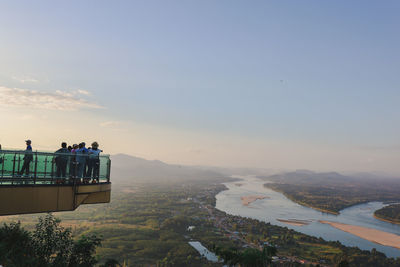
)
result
[(43, 189)]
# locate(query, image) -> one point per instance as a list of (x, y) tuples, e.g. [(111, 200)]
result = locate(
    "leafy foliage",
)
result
[(48, 245), (52, 243), (83, 251), (16, 247), (249, 257)]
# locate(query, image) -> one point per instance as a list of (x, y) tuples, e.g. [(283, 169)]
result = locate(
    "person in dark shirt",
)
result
[(61, 160), (28, 157), (73, 164)]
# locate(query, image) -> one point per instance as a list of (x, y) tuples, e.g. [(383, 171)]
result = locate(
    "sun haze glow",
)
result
[(281, 85)]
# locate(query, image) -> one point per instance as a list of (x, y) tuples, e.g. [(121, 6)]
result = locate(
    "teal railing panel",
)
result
[(47, 168)]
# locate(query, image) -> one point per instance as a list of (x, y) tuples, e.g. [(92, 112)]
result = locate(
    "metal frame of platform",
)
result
[(42, 190)]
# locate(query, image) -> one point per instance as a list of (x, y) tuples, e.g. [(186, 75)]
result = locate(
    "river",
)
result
[(204, 251), (276, 206)]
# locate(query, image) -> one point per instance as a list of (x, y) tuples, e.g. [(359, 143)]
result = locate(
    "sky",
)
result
[(269, 84)]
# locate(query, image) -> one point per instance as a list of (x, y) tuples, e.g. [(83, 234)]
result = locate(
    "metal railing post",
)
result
[(74, 181), (45, 167), (2, 166), (52, 171), (35, 172), (13, 171), (19, 163), (108, 170)]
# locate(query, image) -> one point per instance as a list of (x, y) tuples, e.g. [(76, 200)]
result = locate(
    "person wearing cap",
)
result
[(28, 157), (94, 162)]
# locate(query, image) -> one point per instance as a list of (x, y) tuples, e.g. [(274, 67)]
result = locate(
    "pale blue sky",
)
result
[(301, 75)]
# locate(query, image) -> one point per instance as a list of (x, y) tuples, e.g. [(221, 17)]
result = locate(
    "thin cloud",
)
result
[(25, 79), (83, 92), (59, 100), (196, 151), (26, 117), (29, 117), (109, 124), (387, 148)]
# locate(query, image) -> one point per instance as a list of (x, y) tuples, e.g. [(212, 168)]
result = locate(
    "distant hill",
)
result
[(125, 168), (302, 177), (229, 171), (309, 177)]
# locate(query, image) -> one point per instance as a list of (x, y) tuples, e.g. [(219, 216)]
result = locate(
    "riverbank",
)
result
[(301, 202), (385, 220), (316, 208), (370, 234), (247, 200), (294, 222), (389, 213)]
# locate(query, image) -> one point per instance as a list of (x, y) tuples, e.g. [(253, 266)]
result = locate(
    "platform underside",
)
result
[(21, 199)]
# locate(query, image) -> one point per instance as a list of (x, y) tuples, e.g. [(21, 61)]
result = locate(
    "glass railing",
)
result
[(20, 167)]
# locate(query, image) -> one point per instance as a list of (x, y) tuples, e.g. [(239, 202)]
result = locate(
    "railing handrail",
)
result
[(4, 151)]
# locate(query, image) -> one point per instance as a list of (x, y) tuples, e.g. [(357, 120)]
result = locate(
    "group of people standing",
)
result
[(83, 162)]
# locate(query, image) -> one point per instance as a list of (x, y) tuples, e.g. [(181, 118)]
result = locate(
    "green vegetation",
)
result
[(146, 225), (48, 245), (332, 192), (248, 257), (389, 213)]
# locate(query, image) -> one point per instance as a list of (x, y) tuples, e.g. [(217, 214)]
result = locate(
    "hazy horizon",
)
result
[(275, 85)]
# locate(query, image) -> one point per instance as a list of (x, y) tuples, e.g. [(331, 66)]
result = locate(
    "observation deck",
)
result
[(45, 187)]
